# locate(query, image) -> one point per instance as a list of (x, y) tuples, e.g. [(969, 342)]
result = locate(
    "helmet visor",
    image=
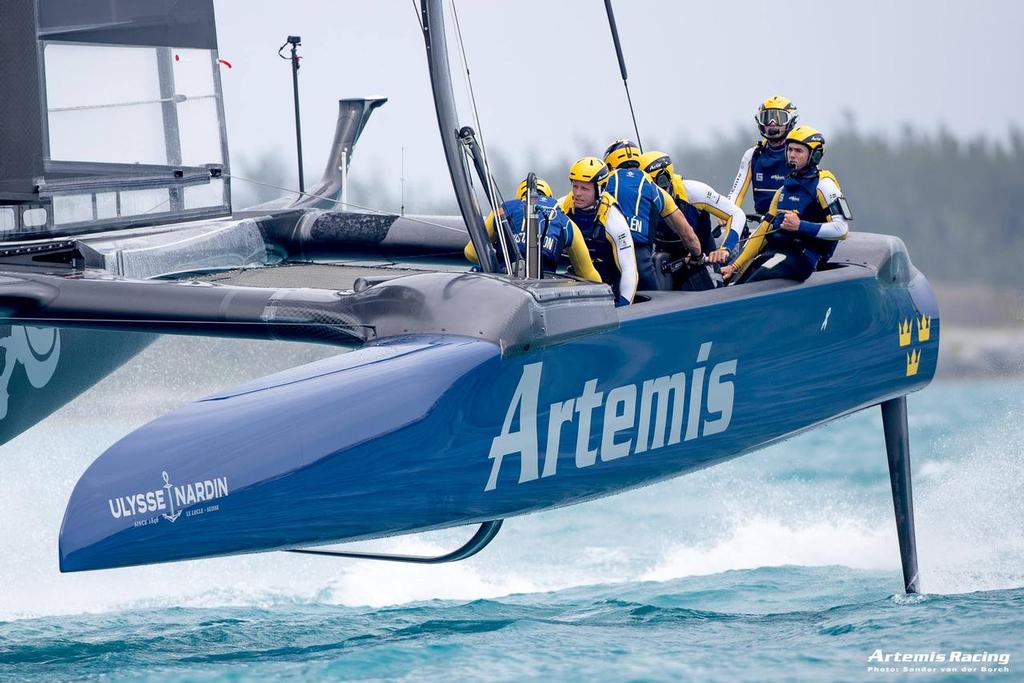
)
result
[(773, 117)]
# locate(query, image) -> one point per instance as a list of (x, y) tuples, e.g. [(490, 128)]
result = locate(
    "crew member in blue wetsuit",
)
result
[(641, 202), (557, 231), (805, 221), (764, 166), (698, 201), (604, 228)]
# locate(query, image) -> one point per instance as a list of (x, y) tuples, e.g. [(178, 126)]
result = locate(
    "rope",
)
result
[(493, 194), (419, 17)]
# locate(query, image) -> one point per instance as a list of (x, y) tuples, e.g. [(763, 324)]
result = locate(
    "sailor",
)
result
[(641, 202), (558, 233), (764, 166), (603, 226), (806, 219), (698, 201)]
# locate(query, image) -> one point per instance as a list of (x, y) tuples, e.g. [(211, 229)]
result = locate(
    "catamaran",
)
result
[(456, 398)]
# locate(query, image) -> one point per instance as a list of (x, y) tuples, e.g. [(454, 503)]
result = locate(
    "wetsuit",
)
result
[(698, 202), (558, 233), (641, 202), (610, 243), (764, 167), (773, 253)]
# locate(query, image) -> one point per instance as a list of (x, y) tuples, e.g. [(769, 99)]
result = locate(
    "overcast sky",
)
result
[(545, 74)]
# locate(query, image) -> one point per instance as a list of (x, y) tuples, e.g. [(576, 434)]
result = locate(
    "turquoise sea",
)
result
[(779, 566)]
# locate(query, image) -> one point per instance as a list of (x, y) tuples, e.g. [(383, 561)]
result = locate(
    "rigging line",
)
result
[(622, 67), (493, 193), (499, 219), (472, 95), (154, 208), (419, 16), (335, 201), (492, 190), (636, 128), (466, 152), (177, 98)]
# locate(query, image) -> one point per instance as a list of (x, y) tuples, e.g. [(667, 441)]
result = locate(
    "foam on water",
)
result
[(764, 542), (972, 511)]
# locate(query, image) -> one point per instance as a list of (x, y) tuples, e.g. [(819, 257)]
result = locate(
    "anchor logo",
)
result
[(37, 349), (170, 501), (168, 486)]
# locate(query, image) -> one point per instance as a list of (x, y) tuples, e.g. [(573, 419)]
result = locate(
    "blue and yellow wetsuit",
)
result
[(698, 201), (610, 243), (641, 203), (764, 168), (558, 234), (772, 252)]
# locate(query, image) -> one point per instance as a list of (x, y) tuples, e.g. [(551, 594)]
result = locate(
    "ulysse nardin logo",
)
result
[(169, 501), (641, 417), (37, 349)]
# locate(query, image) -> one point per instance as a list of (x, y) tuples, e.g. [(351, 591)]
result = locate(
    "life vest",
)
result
[(556, 234), (640, 200), (768, 171), (800, 194), (591, 224)]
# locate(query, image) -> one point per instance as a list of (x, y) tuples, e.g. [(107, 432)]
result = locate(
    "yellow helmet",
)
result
[(542, 187), (810, 138), (658, 165), (589, 170), (778, 113), (623, 153)]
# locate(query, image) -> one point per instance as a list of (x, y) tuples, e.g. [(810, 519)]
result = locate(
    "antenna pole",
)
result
[(533, 253), (622, 68), (295, 41)]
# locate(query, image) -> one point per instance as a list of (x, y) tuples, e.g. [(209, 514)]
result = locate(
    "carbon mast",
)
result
[(432, 22)]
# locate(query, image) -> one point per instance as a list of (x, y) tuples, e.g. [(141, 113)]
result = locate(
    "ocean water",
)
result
[(779, 566)]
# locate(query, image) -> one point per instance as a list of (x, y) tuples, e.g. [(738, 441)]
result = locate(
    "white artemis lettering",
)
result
[(706, 404)]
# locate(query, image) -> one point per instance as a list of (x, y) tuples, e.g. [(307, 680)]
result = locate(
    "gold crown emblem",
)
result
[(924, 328), (904, 333), (913, 362)]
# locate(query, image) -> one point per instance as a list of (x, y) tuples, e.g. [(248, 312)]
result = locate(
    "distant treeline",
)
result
[(952, 201)]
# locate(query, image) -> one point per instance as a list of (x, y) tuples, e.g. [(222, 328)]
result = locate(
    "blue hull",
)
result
[(424, 432)]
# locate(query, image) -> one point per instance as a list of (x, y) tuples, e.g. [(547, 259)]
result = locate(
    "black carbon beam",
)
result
[(484, 535), (519, 314), (309, 315), (897, 447)]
